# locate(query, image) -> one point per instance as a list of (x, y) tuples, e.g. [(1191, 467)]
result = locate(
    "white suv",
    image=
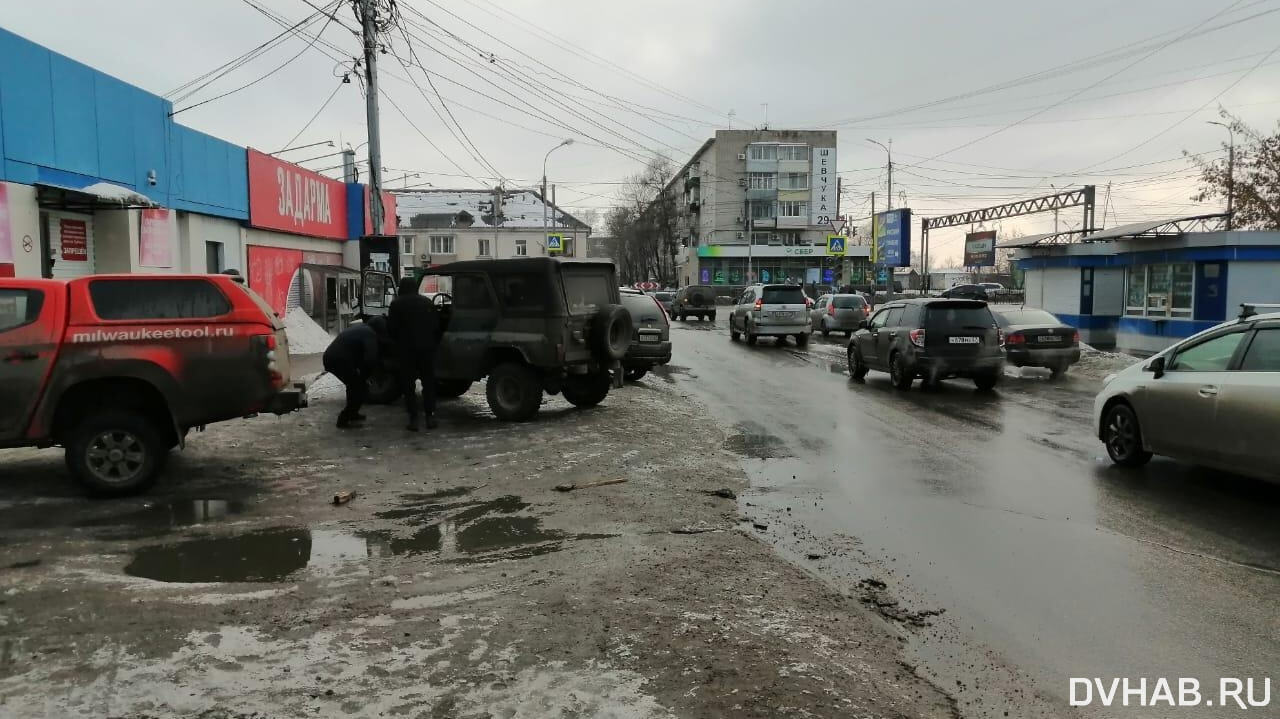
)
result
[(771, 311), (1212, 399)]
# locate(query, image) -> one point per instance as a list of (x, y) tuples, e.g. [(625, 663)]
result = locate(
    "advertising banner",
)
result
[(822, 192), (893, 231), (271, 269), (155, 243), (980, 249), (6, 235), (288, 198), (74, 238)]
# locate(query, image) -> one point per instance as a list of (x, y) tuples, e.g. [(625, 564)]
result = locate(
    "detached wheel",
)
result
[(586, 390), (898, 373), (636, 374), (452, 388), (383, 387), (514, 392), (1123, 437), (857, 368), (114, 453)]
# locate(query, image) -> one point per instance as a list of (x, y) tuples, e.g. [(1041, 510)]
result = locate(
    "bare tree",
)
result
[(644, 224), (1256, 192)]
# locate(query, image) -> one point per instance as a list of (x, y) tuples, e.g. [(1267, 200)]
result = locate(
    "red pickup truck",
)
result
[(117, 368)]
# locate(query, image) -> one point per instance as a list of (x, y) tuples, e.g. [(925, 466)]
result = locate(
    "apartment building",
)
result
[(757, 205)]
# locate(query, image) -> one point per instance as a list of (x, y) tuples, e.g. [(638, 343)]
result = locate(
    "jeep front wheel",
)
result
[(114, 453), (586, 390), (514, 392)]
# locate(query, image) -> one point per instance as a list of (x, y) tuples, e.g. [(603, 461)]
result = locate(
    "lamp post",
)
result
[(544, 187), (888, 290), (888, 152), (1231, 169)]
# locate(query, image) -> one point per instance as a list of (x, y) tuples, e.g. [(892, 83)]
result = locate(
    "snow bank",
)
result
[(1098, 364), (305, 336)]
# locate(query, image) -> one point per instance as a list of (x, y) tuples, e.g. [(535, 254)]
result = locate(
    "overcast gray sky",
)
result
[(1019, 95)]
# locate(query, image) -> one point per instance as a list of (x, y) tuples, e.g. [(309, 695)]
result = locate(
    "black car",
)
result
[(966, 292), (650, 336), (929, 338), (1035, 338)]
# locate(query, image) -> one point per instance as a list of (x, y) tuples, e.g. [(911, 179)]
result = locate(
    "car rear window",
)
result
[(1027, 317), (586, 289), (849, 302), (783, 296), (523, 293), (958, 315), (176, 299), (19, 307)]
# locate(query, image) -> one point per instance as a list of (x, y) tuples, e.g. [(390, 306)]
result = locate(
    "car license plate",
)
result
[(649, 338), (783, 315), (1046, 339), (964, 340)]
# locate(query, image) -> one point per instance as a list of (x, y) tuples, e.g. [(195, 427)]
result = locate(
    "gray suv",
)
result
[(932, 339), (771, 311), (528, 325)]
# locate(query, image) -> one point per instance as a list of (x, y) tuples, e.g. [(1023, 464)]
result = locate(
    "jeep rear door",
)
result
[(32, 318), (473, 317)]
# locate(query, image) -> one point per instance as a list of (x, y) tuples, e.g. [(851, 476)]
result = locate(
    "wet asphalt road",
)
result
[(1000, 509)]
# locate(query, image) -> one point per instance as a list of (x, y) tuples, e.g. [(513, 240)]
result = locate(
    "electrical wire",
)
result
[(317, 114)]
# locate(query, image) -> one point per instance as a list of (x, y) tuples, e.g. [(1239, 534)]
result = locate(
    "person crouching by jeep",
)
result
[(351, 357), (414, 324)]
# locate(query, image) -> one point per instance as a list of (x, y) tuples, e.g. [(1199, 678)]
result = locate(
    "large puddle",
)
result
[(443, 524)]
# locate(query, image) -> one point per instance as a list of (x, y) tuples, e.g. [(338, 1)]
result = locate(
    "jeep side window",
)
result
[(878, 321), (19, 308), (471, 292), (895, 317), (523, 293), (911, 316), (128, 299)]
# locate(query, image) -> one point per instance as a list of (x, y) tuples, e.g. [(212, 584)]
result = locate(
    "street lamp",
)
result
[(544, 186), (889, 282), (889, 152), (1231, 169), (327, 143)]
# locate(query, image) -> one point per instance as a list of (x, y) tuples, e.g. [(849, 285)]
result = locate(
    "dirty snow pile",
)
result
[(325, 386), (305, 336), (1098, 363)]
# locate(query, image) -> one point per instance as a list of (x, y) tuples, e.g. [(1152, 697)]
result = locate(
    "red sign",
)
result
[(289, 198), (155, 244), (389, 222), (6, 236), (646, 285), (271, 270), (74, 238)]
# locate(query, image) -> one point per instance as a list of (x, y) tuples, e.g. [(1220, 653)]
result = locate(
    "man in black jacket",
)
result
[(351, 357), (414, 323)]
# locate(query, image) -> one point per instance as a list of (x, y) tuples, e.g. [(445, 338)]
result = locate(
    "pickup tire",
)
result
[(514, 391), (114, 453), (587, 390)]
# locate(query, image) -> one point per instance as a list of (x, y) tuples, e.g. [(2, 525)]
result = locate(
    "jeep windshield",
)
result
[(587, 288)]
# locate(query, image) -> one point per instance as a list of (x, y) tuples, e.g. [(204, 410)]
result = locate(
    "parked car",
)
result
[(650, 338), (991, 288), (966, 292), (117, 368), (1210, 399), (838, 313), (528, 325), (694, 301), (929, 338), (1035, 338), (666, 298), (771, 311)]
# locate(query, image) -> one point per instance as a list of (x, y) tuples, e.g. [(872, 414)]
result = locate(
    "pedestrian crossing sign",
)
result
[(836, 244), (555, 244)]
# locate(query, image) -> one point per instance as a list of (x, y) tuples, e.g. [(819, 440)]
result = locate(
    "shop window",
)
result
[(1164, 290), (1136, 301), (156, 299)]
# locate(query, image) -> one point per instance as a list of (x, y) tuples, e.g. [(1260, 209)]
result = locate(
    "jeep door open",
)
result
[(530, 325)]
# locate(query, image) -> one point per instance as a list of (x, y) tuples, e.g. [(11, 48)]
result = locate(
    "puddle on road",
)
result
[(454, 531)]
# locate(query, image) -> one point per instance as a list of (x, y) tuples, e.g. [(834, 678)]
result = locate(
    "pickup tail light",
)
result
[(831, 310), (1015, 338), (917, 337), (266, 347), (759, 305), (1075, 337)]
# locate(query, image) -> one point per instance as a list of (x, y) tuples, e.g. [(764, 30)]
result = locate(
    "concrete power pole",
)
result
[(368, 14)]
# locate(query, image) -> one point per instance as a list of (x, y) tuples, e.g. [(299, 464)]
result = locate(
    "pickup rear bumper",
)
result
[(289, 400)]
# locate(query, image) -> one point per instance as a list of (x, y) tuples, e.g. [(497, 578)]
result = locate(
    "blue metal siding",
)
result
[(26, 95), (210, 175), (1173, 329), (116, 150), (75, 124), (1187, 254)]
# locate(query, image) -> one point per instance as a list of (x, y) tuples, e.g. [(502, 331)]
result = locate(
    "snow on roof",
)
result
[(521, 208), (123, 195)]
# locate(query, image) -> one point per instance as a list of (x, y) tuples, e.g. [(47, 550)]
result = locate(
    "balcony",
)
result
[(764, 222), (762, 193), (691, 180)]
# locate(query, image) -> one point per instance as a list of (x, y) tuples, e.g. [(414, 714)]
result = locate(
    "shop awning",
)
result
[(98, 196)]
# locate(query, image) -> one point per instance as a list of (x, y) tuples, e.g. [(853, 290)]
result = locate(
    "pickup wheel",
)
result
[(114, 453), (587, 390), (514, 392), (451, 388)]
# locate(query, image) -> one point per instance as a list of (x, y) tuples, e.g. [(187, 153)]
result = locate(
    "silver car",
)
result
[(1211, 399), (771, 311), (838, 313)]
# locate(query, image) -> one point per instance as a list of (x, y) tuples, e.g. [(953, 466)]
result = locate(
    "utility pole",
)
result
[(368, 15), (875, 247), (889, 151), (1231, 169)]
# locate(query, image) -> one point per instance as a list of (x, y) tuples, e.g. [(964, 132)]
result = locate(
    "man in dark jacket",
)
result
[(414, 323), (351, 357)]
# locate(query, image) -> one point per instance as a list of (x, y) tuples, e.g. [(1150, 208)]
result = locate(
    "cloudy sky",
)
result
[(985, 102)]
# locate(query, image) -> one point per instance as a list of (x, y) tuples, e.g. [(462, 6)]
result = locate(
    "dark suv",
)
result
[(694, 301), (929, 338), (530, 325)]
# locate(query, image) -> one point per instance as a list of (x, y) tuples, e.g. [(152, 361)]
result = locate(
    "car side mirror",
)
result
[(1156, 367)]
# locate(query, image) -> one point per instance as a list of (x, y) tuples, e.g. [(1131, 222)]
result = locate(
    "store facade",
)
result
[(733, 266)]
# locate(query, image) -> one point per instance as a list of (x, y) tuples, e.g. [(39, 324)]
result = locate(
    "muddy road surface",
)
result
[(996, 518), (457, 582)]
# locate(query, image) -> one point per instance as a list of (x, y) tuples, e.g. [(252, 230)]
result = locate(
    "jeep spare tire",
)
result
[(611, 332), (698, 298)]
